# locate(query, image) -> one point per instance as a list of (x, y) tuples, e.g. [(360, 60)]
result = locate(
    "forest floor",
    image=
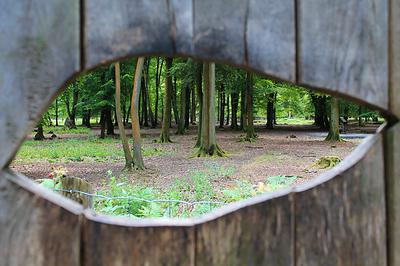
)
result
[(283, 151)]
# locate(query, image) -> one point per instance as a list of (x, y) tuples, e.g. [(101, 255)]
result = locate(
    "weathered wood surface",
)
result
[(39, 51), (124, 28), (37, 227), (392, 153), (342, 47), (394, 57), (260, 233), (79, 184), (117, 241), (341, 218), (270, 38)]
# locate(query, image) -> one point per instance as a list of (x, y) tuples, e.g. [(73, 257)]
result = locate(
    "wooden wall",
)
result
[(345, 47)]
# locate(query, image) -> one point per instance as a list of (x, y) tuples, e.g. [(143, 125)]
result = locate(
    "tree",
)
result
[(39, 134), (333, 134), (208, 144), (136, 147), (124, 139), (250, 134), (166, 122), (199, 89)]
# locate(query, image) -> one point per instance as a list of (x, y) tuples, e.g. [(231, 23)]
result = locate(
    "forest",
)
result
[(176, 137)]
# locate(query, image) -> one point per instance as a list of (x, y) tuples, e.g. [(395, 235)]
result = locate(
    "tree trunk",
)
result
[(57, 112), (227, 110), (121, 127), (157, 80), (109, 122), (193, 108), (175, 103), (103, 123), (243, 119), (333, 134), (39, 134), (181, 125), (164, 137), (250, 134), (187, 106), (235, 104), (270, 110), (222, 107), (208, 145), (199, 74), (136, 147)]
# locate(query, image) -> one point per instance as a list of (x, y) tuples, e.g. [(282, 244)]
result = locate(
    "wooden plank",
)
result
[(342, 46), (37, 226), (394, 57), (270, 38), (340, 217), (39, 51), (392, 155), (219, 28), (259, 233), (117, 241), (122, 28)]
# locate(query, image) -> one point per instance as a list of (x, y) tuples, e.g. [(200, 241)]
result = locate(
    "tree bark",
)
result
[(182, 120), (243, 119), (208, 145), (250, 134), (270, 110), (235, 104), (165, 137), (193, 104), (222, 107), (136, 147), (333, 134), (121, 127), (199, 89), (227, 110)]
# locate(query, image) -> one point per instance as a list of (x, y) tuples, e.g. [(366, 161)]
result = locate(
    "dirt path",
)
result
[(282, 151)]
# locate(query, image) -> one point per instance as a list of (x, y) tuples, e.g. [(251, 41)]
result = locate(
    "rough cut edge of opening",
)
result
[(351, 160)]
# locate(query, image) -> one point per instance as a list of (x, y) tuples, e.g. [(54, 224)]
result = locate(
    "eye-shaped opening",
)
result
[(176, 137)]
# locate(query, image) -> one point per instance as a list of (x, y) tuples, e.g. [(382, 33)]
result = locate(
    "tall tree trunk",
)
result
[(57, 112), (182, 116), (109, 122), (250, 134), (193, 108), (222, 107), (227, 109), (243, 119), (157, 80), (175, 103), (145, 94), (235, 104), (121, 127), (199, 89), (187, 107), (164, 137), (136, 147), (333, 134), (270, 110), (208, 145), (103, 123)]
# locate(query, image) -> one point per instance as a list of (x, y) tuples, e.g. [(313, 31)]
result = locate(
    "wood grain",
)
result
[(392, 153), (270, 37), (37, 227), (342, 46), (258, 234), (394, 57), (122, 28), (108, 241), (341, 220), (219, 30), (39, 51)]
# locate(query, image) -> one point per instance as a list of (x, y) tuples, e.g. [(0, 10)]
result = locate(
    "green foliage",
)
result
[(185, 198)]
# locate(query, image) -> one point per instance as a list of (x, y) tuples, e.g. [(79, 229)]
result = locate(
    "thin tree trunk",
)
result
[(333, 134), (109, 122), (193, 108), (222, 107), (243, 119), (208, 145), (136, 147), (235, 104), (157, 79), (175, 103), (187, 106), (199, 89), (250, 134), (57, 112), (103, 123), (227, 109), (181, 125), (121, 127), (270, 110), (164, 137)]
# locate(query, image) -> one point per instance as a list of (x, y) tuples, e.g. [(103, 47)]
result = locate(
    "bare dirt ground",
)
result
[(286, 150)]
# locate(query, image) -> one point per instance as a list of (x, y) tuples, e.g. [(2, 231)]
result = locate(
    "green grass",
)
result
[(195, 187), (65, 130), (294, 121), (77, 150)]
